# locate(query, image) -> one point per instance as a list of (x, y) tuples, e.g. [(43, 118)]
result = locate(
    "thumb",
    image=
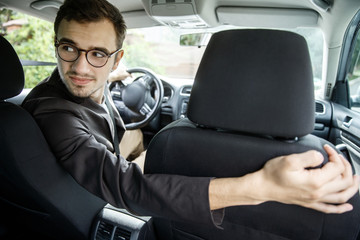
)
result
[(309, 159)]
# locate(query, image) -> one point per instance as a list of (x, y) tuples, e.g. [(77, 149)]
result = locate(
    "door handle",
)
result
[(347, 121)]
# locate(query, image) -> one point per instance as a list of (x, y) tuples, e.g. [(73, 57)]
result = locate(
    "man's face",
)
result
[(81, 78)]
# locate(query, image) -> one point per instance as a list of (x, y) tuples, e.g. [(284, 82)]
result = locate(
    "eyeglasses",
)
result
[(96, 58)]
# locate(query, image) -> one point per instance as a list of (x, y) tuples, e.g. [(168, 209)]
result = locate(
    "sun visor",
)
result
[(267, 17)]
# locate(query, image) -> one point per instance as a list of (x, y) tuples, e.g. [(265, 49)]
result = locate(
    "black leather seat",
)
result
[(36, 194), (252, 100)]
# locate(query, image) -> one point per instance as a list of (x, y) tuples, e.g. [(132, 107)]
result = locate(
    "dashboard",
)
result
[(175, 101)]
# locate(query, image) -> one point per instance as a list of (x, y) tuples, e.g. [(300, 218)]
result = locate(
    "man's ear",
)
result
[(119, 56)]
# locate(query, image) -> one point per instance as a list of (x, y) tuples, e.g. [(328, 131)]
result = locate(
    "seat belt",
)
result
[(111, 112)]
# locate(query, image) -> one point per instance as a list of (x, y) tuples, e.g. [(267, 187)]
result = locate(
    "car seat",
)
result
[(36, 194), (252, 100)]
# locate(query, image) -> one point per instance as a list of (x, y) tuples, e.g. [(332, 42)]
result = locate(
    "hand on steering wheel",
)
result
[(136, 102)]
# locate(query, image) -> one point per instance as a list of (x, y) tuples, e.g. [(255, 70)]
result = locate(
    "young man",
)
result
[(72, 109)]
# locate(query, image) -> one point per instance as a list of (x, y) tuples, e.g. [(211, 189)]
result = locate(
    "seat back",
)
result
[(252, 100), (36, 194)]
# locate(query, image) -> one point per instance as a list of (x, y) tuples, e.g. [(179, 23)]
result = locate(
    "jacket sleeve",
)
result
[(118, 181)]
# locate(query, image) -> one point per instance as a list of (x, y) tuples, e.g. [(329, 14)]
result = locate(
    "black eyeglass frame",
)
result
[(79, 50)]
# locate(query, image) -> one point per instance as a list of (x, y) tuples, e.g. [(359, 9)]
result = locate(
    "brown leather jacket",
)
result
[(79, 134)]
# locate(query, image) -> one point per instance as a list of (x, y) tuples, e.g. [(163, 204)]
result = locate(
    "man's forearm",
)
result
[(227, 192)]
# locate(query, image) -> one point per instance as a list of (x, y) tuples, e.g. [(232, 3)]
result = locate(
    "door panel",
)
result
[(346, 130), (323, 113)]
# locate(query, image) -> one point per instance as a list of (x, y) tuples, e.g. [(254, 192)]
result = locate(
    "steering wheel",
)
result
[(139, 101)]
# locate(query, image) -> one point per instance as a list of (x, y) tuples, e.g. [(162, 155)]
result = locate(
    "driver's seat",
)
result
[(36, 194), (252, 100)]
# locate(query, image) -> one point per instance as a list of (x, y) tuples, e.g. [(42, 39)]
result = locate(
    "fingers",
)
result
[(119, 75), (340, 189), (305, 160), (343, 195), (330, 208), (330, 171), (335, 159), (329, 150), (342, 181)]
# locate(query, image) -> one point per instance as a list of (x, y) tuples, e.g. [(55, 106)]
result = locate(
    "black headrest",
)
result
[(256, 81), (12, 74)]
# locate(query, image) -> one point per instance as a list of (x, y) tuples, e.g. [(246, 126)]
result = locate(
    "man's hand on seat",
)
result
[(287, 179), (325, 189)]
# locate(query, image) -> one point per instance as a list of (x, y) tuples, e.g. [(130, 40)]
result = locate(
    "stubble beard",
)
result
[(76, 90)]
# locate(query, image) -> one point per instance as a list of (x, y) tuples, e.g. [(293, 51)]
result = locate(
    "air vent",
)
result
[(186, 90), (168, 93), (319, 108), (104, 231), (122, 234)]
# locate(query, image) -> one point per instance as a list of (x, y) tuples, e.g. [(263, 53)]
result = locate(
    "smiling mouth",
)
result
[(80, 80)]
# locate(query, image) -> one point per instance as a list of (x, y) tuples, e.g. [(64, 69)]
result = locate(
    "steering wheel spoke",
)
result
[(136, 98), (147, 79), (145, 109), (116, 94)]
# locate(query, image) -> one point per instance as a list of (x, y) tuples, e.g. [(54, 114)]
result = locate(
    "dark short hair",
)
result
[(92, 11)]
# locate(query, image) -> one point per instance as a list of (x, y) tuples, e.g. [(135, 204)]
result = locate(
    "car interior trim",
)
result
[(267, 17)]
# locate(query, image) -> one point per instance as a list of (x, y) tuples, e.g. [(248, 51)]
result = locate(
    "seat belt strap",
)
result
[(111, 112)]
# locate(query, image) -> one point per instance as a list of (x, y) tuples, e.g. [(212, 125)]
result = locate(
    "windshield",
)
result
[(158, 48)]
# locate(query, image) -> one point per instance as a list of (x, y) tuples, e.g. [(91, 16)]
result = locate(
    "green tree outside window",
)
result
[(33, 39)]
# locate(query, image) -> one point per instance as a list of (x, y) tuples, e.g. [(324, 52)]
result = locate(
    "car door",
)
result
[(346, 97)]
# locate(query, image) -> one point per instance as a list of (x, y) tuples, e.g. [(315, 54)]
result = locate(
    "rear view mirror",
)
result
[(195, 39)]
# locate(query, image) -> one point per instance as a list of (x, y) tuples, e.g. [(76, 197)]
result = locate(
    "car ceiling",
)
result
[(136, 12)]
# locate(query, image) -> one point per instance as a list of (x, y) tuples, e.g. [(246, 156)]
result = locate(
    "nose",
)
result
[(81, 64)]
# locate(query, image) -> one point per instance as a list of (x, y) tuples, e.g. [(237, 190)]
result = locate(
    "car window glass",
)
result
[(156, 48), (315, 41), (353, 76), (32, 39)]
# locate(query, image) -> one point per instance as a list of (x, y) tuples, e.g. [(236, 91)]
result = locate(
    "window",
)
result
[(33, 41), (353, 76), (158, 48), (315, 41)]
